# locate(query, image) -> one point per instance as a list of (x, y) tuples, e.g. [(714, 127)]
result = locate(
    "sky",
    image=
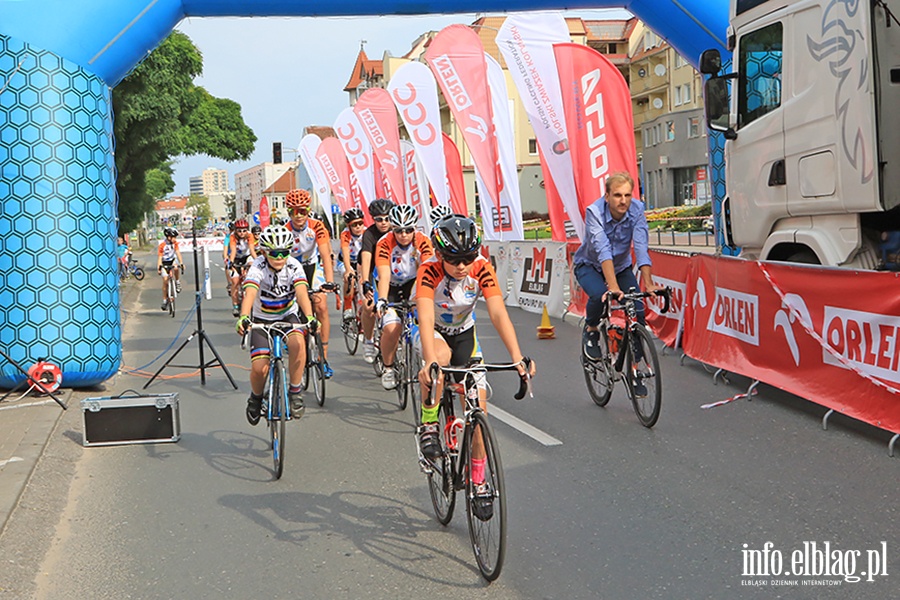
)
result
[(290, 73)]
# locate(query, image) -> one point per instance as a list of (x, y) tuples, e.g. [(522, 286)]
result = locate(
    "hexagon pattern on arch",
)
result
[(58, 286)]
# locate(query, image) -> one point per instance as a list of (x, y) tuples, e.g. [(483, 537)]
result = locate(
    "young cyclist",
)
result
[(379, 209), (241, 248), (398, 256), (255, 231), (447, 288), (226, 248), (311, 245), (274, 287), (169, 256), (437, 213), (351, 242)]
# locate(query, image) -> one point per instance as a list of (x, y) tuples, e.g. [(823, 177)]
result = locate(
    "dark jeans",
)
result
[(594, 284)]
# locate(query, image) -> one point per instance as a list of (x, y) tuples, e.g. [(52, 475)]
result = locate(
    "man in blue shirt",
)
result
[(603, 262)]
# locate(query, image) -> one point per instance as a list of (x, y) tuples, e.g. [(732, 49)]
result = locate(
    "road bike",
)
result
[(171, 289), (276, 407), (407, 360), (351, 327), (627, 353), (450, 472), (314, 371)]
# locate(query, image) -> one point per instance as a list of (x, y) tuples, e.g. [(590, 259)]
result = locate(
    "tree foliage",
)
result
[(198, 206), (161, 114)]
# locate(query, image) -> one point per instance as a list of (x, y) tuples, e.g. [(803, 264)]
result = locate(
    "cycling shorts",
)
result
[(397, 293), (259, 341)]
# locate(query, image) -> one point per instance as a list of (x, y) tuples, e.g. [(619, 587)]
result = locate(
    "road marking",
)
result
[(3, 463), (41, 403), (529, 430)]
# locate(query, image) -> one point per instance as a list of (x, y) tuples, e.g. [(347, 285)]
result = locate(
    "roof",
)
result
[(173, 203), (608, 30), (363, 69), (283, 184), (323, 131)]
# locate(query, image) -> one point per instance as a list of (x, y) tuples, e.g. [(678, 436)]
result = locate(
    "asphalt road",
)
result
[(613, 511)]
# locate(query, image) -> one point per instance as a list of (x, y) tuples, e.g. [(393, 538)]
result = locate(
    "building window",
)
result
[(647, 140), (677, 95), (679, 62), (670, 131), (686, 93), (532, 147), (694, 127)]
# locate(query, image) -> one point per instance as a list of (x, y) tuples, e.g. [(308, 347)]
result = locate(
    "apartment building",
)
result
[(250, 185)]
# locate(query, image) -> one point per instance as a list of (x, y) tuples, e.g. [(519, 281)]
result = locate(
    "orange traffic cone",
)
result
[(545, 330)]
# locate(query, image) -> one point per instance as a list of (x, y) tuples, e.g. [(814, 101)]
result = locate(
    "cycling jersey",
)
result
[(167, 251), (454, 299), (353, 243), (307, 240), (404, 261), (277, 289), (242, 247)]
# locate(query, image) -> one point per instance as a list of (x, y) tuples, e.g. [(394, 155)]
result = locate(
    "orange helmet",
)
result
[(297, 199)]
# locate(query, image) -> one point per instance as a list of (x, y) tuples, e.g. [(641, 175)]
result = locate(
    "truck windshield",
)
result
[(760, 66)]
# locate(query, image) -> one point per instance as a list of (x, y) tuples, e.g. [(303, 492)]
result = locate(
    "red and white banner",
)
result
[(506, 222), (378, 118), (416, 185), (414, 92), (672, 271), (358, 149), (456, 58), (309, 149), (562, 228), (213, 244), (455, 177), (597, 107), (264, 215), (840, 350), (334, 164), (526, 43)]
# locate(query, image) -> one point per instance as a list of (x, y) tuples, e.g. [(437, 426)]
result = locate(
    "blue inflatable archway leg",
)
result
[(59, 297)]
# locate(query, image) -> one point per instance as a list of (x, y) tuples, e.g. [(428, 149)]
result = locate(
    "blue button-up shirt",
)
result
[(608, 239)]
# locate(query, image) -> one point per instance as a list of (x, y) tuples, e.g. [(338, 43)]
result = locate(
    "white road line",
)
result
[(529, 430), (3, 463), (14, 406)]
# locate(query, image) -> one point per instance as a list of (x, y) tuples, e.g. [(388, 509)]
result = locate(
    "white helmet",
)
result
[(439, 212), (276, 237), (403, 215)]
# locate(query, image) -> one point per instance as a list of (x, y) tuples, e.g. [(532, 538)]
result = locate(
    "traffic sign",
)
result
[(256, 217)]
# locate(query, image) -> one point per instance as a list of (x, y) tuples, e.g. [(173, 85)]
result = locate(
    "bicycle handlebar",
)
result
[(282, 326), (324, 288), (524, 380), (665, 293)]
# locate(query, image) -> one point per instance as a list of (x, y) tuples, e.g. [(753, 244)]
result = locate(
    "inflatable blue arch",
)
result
[(59, 59)]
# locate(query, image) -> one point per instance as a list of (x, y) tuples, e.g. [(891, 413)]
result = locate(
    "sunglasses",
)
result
[(406, 230), (467, 259), (357, 224), (380, 219), (242, 231), (300, 211), (279, 253)]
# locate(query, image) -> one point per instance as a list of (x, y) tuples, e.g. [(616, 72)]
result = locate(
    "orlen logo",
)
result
[(447, 72), (368, 120), (330, 171), (414, 115), (676, 301), (736, 315), (869, 341), (596, 135)]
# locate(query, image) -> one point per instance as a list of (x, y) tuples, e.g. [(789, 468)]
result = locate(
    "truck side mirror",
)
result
[(710, 62), (715, 97)]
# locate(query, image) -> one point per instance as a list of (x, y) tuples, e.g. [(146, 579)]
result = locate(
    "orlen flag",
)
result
[(456, 58), (378, 118), (334, 164), (264, 212), (597, 107)]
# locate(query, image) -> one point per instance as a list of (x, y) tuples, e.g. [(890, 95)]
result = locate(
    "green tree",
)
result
[(160, 114), (198, 206)]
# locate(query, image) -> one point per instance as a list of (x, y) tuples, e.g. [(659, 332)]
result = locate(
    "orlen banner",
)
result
[(597, 106), (334, 164), (378, 117), (264, 215), (841, 350), (416, 186), (455, 177), (358, 149), (414, 92), (672, 271), (539, 271), (456, 57), (309, 149)]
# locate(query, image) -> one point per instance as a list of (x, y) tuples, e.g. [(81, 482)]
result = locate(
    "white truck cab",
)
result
[(811, 117)]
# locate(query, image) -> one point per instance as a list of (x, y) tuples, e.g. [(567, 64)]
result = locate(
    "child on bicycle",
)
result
[(398, 256), (274, 287), (241, 248), (613, 224), (351, 242), (447, 289), (169, 263)]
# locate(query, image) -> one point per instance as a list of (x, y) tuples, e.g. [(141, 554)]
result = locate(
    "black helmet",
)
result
[(255, 230), (353, 214), (456, 236), (380, 207), (170, 232)]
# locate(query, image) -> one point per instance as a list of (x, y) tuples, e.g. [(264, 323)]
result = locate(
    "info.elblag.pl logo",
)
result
[(812, 564)]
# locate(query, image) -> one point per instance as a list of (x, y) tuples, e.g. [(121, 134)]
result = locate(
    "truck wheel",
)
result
[(805, 256)]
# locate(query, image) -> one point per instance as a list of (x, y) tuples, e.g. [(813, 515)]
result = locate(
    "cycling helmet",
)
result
[(456, 236), (380, 207), (231, 225), (353, 214), (170, 232), (439, 212), (403, 215), (241, 224), (276, 237), (255, 230), (297, 199)]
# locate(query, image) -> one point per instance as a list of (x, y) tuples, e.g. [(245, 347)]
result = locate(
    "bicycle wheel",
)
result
[(598, 373), (317, 371), (309, 362), (440, 480), (350, 327), (400, 362), (488, 535), (279, 412), (646, 371), (138, 273), (171, 296), (415, 391)]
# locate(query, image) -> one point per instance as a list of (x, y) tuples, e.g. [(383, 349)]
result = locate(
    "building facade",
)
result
[(250, 185), (210, 181)]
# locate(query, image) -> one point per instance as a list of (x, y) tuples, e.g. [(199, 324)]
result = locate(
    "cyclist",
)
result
[(613, 225), (169, 256), (240, 250), (274, 287), (398, 256), (447, 288), (379, 209), (122, 252), (256, 230), (437, 213), (311, 245), (229, 233), (351, 241)]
